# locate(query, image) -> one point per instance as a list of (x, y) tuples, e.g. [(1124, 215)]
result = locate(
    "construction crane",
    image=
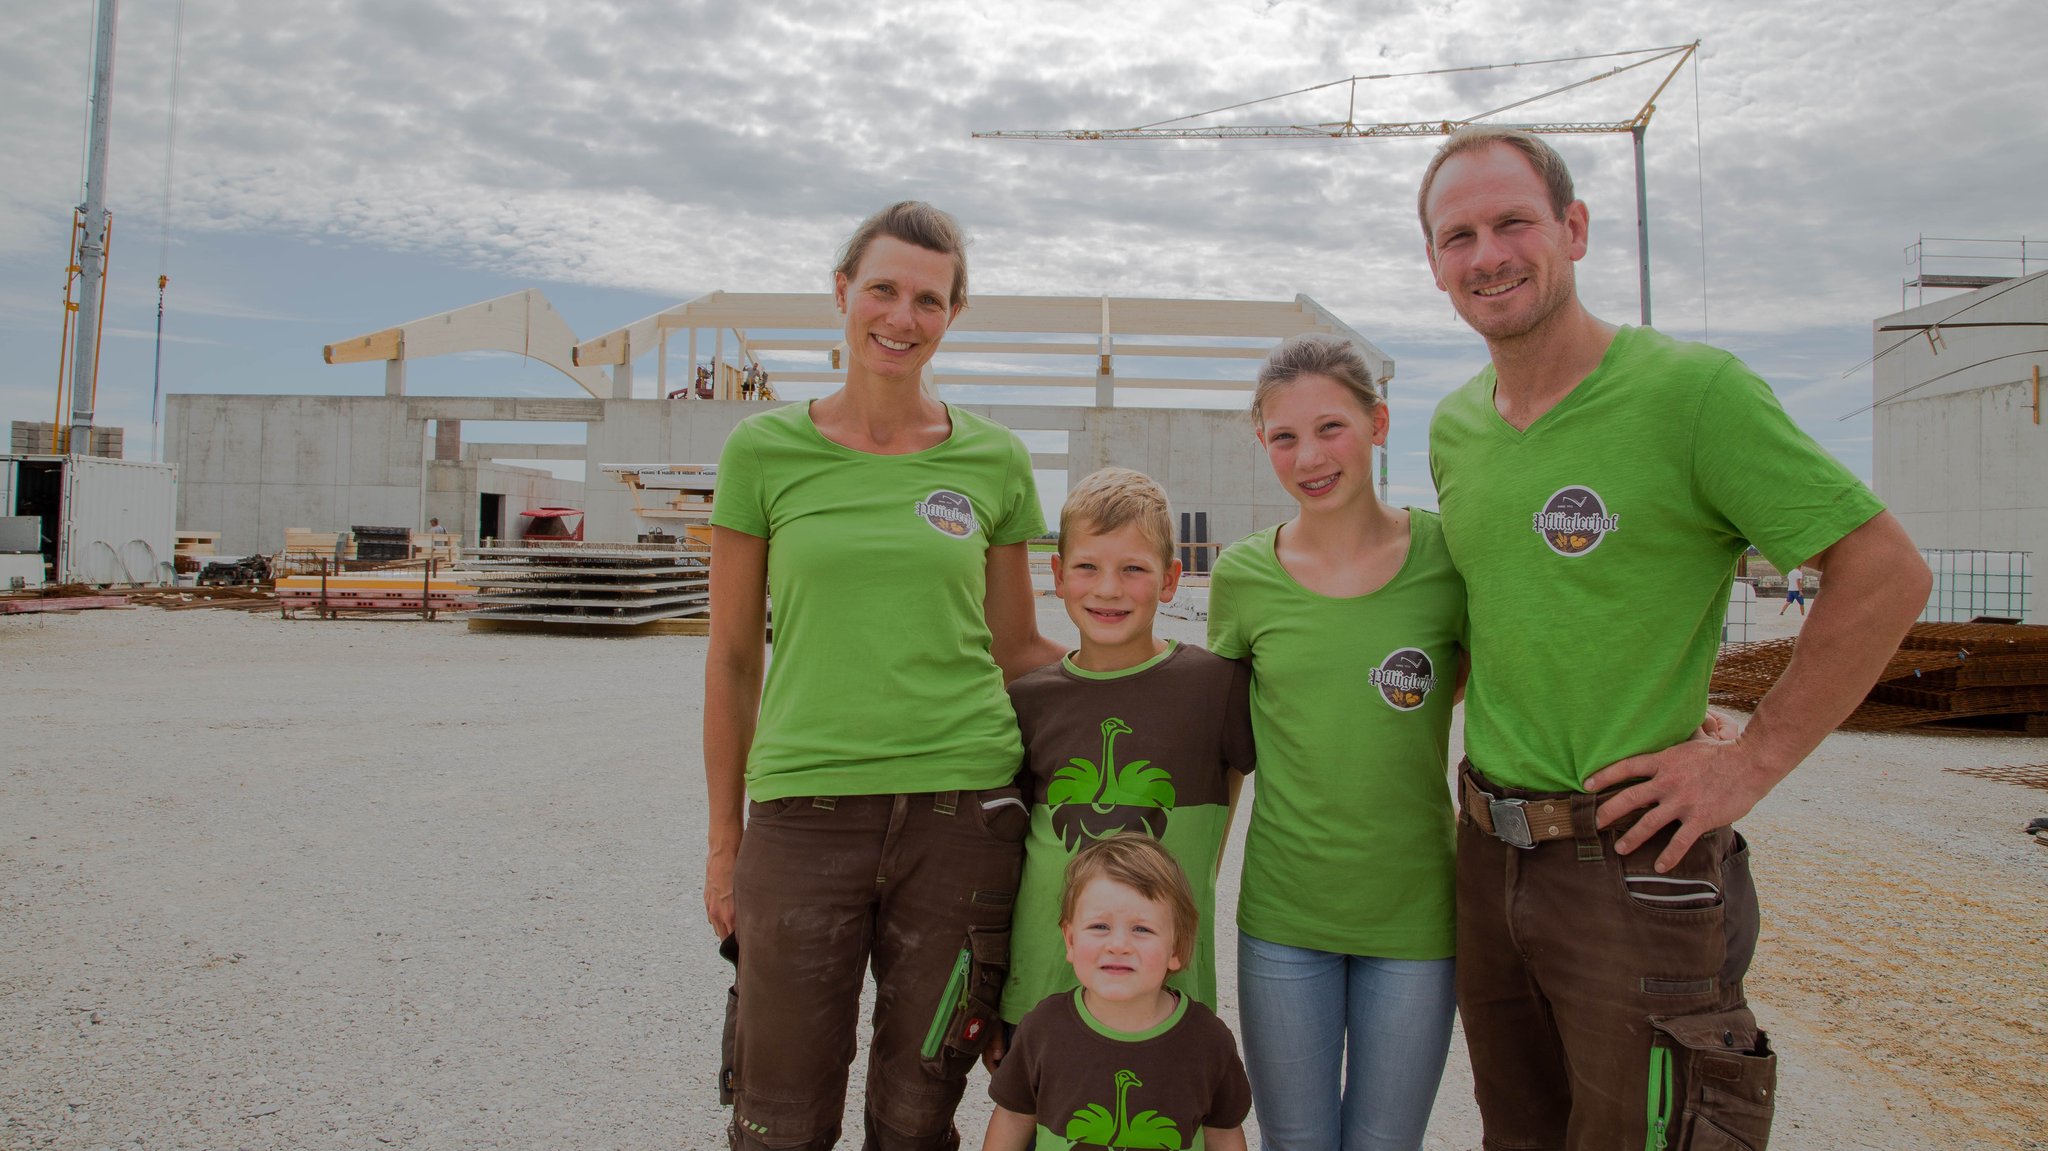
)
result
[(1349, 127)]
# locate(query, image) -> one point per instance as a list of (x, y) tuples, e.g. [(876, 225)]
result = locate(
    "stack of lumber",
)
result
[(58, 597), (193, 549), (431, 545), (413, 591), (1944, 677), (305, 551), (588, 585)]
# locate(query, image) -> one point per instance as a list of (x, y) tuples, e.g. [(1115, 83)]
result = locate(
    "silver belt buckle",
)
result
[(1510, 822)]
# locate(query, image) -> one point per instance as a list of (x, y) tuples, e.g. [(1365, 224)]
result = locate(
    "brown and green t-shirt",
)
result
[(1089, 1086), (1149, 749)]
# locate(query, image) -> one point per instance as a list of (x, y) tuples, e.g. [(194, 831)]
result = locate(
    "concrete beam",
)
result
[(506, 451)]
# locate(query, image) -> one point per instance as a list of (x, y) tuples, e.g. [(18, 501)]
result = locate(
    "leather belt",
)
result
[(1520, 823)]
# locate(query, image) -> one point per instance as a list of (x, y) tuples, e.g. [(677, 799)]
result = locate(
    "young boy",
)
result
[(1123, 1062), (1129, 733)]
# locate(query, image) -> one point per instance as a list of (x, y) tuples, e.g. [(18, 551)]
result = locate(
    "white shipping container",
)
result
[(118, 518)]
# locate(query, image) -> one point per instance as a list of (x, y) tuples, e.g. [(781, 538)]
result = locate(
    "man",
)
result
[(1597, 484), (1795, 591)]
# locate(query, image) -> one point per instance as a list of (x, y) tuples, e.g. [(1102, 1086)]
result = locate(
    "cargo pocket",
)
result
[(966, 1012), (729, 950), (1713, 1082)]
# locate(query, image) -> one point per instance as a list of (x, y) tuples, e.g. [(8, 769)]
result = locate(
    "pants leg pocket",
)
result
[(1723, 1081), (729, 950), (967, 1009)]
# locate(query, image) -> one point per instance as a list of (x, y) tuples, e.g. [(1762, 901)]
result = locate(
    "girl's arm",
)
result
[(1009, 1131), (732, 705), (1012, 615)]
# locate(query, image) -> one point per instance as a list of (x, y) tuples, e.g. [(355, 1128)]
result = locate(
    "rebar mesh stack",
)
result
[(1945, 676)]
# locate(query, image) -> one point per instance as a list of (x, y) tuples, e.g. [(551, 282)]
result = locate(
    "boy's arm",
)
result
[(1223, 1138), (1010, 1131)]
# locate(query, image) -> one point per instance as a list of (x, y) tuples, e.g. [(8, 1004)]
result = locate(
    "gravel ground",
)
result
[(305, 884)]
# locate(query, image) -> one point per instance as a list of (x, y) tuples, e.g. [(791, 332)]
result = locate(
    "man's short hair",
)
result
[(1137, 861), (1112, 497), (1550, 167)]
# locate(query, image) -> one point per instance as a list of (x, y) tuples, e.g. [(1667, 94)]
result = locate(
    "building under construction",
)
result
[(253, 467)]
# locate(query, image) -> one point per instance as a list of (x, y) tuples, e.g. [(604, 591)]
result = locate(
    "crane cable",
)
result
[(163, 256)]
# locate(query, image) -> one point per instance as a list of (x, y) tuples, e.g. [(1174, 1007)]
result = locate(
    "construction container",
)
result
[(104, 521)]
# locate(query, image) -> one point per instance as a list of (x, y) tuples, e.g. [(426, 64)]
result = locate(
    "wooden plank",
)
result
[(11, 606), (388, 344)]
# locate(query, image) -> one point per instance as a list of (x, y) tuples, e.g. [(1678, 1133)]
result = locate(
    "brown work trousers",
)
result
[(826, 886), (1574, 962)]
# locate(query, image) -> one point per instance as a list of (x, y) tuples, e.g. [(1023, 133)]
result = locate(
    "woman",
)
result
[(1354, 622), (878, 755)]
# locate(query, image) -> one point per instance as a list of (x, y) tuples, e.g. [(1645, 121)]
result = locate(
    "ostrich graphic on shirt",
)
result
[(1095, 1126), (1093, 802)]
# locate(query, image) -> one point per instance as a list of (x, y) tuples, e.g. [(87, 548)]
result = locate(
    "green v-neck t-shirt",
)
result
[(881, 679), (1350, 844), (1598, 547), (1151, 749)]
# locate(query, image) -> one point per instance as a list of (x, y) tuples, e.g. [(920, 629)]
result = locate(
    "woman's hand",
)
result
[(718, 901)]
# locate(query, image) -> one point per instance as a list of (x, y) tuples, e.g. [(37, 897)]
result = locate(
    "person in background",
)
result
[(875, 763), (1795, 591)]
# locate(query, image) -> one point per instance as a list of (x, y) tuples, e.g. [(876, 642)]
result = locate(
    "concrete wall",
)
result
[(251, 466), (1959, 457), (1207, 460)]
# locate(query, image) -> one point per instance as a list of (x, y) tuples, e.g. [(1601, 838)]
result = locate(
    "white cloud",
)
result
[(675, 148)]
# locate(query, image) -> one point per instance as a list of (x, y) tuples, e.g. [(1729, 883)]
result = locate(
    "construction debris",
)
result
[(1971, 677)]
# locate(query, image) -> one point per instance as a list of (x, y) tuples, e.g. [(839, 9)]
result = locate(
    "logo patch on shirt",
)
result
[(949, 512), (1405, 678), (1574, 521)]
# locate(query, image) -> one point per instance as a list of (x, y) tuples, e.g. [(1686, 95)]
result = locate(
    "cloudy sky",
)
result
[(344, 166)]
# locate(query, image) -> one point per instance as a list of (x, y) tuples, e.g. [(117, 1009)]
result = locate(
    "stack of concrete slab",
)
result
[(600, 585)]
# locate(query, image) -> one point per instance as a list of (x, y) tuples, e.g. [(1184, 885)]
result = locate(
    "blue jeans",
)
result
[(1344, 1051)]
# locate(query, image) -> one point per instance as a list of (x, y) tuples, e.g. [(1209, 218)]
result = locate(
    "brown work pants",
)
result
[(1574, 961), (825, 887)]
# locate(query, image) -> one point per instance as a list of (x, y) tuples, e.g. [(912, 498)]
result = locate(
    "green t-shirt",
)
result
[(1089, 1085), (1599, 546), (1150, 749), (1350, 846), (881, 679)]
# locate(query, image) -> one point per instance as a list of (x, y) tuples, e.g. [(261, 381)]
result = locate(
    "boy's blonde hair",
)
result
[(1112, 497), (1136, 860)]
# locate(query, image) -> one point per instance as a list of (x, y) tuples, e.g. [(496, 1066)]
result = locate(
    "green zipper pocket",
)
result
[(956, 986)]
